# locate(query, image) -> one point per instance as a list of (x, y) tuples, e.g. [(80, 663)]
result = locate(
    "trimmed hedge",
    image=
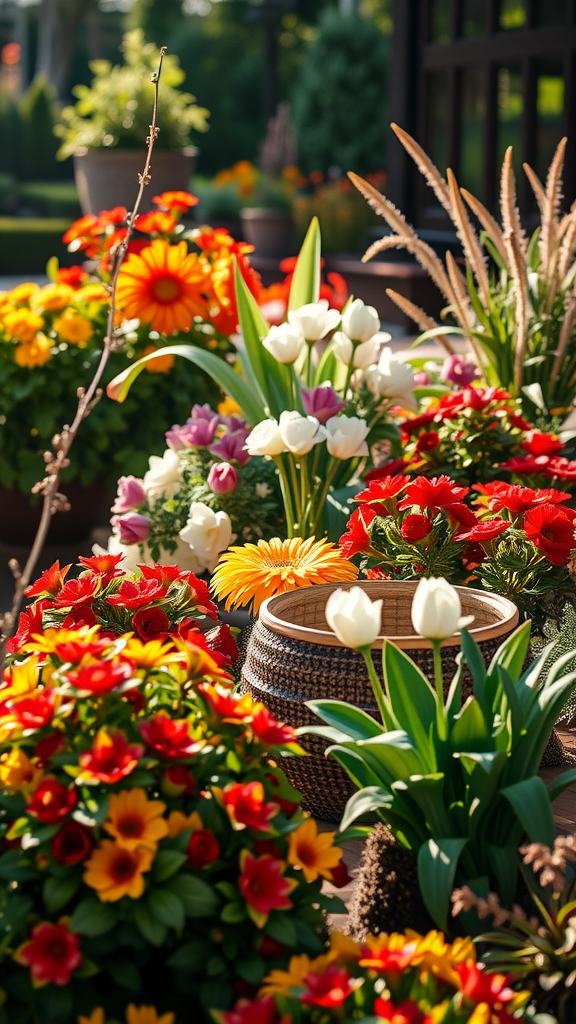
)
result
[(26, 244)]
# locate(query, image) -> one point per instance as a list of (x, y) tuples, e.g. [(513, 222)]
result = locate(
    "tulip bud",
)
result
[(347, 437), (314, 320), (322, 402), (131, 494), (265, 439), (300, 433), (360, 322), (354, 618), (436, 610), (222, 478), (131, 528), (284, 342)]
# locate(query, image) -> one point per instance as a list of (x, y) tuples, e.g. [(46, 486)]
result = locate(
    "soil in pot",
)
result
[(388, 897), (89, 508)]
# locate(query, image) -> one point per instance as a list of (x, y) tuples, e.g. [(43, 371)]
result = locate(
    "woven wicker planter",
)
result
[(293, 657)]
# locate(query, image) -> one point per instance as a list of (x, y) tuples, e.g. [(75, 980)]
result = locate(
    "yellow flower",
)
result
[(312, 851), (481, 1014), (282, 982), (72, 327), (114, 872), (54, 297), (23, 325), (150, 654), (96, 1017), (343, 948), (161, 365), (36, 353), (147, 1015), (17, 772), (178, 823), (439, 957), (92, 293), (228, 407), (134, 820), (163, 286), (249, 574), (23, 292), (22, 679)]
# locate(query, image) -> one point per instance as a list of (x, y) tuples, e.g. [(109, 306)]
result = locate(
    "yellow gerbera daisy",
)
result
[(96, 1017), (134, 820), (312, 851), (178, 823), (162, 286), (114, 872), (249, 574), (282, 982), (147, 1015)]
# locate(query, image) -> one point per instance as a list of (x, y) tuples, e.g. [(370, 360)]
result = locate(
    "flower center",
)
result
[(131, 827), (123, 868), (58, 949), (306, 855), (166, 289)]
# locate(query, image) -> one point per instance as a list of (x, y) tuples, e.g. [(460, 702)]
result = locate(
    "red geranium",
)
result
[(221, 642), (178, 201), (136, 595), (80, 615), (477, 399), (551, 529), (229, 706), (111, 757), (482, 987), (73, 651), (79, 591), (48, 746), (101, 677), (155, 221), (262, 884), (71, 844), (439, 492), (49, 583), (288, 806), (406, 1012), (427, 441), (527, 465), (105, 566), (52, 953), (536, 443), (270, 732), (72, 276), (33, 712), (29, 622), (151, 624), (252, 1011), (390, 468), (202, 849), (329, 989), (415, 528), (485, 531), (385, 959), (168, 737), (168, 574), (563, 469), (357, 538), (246, 805), (519, 500), (51, 801), (413, 425), (383, 490)]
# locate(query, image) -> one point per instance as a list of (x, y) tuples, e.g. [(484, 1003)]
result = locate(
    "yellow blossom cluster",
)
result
[(36, 319)]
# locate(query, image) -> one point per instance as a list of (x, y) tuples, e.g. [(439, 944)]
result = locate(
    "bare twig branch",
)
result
[(87, 398)]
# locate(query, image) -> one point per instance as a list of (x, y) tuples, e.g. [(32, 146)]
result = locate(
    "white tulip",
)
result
[(284, 342), (208, 534), (315, 320), (436, 610), (392, 379), (360, 322), (346, 437), (342, 348), (164, 477), (300, 433), (354, 618), (265, 439)]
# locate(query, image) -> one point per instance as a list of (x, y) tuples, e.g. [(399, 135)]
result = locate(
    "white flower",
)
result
[(360, 322), (347, 437), (314, 319), (354, 618), (300, 433), (208, 533), (137, 554), (362, 355), (265, 439), (131, 552), (284, 342), (342, 348), (263, 490), (392, 379), (163, 478), (436, 610)]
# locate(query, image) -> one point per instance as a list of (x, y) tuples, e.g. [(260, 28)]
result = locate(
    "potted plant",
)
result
[(103, 131)]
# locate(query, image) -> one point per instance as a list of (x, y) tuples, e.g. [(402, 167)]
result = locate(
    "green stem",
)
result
[(438, 679), (309, 367), (323, 495), (295, 492), (286, 497), (305, 494), (366, 653)]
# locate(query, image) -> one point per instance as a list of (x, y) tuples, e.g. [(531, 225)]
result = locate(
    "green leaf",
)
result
[(305, 285), (504, 864), (251, 968), (530, 801), (250, 403), (153, 931), (57, 892), (357, 724), (411, 697), (469, 732), (166, 864), (472, 655), (428, 792), (167, 908), (233, 913), (198, 897), (125, 974), (364, 802), (16, 866), (557, 785), (281, 927), (272, 378), (395, 752), (191, 956), (93, 918), (512, 653), (437, 863), (354, 763)]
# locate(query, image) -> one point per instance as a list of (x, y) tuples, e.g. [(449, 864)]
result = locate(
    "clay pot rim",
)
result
[(506, 614), (83, 151)]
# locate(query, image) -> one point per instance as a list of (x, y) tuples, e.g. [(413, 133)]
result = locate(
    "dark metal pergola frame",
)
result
[(415, 57)]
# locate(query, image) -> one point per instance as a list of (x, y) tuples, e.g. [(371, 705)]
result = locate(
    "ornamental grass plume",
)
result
[(246, 576)]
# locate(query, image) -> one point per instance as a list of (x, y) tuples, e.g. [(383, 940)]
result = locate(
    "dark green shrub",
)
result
[(39, 113)]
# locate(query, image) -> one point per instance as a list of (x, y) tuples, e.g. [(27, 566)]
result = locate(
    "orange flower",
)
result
[(157, 221), (312, 851), (161, 365), (163, 286), (114, 872), (179, 201), (134, 820)]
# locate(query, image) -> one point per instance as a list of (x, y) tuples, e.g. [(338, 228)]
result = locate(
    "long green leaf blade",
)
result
[(437, 863), (357, 724), (305, 285), (532, 806)]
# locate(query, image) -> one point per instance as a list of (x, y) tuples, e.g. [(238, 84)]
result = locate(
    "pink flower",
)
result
[(457, 371), (131, 494), (231, 446), (322, 402), (199, 433), (203, 412), (131, 528), (222, 478), (421, 379)]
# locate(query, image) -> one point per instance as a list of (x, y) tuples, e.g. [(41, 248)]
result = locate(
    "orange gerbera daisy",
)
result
[(162, 286), (312, 851), (114, 872), (134, 820), (251, 573)]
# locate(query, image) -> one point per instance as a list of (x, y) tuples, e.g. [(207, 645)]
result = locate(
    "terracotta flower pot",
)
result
[(89, 508), (271, 232), (293, 657), (109, 177)]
